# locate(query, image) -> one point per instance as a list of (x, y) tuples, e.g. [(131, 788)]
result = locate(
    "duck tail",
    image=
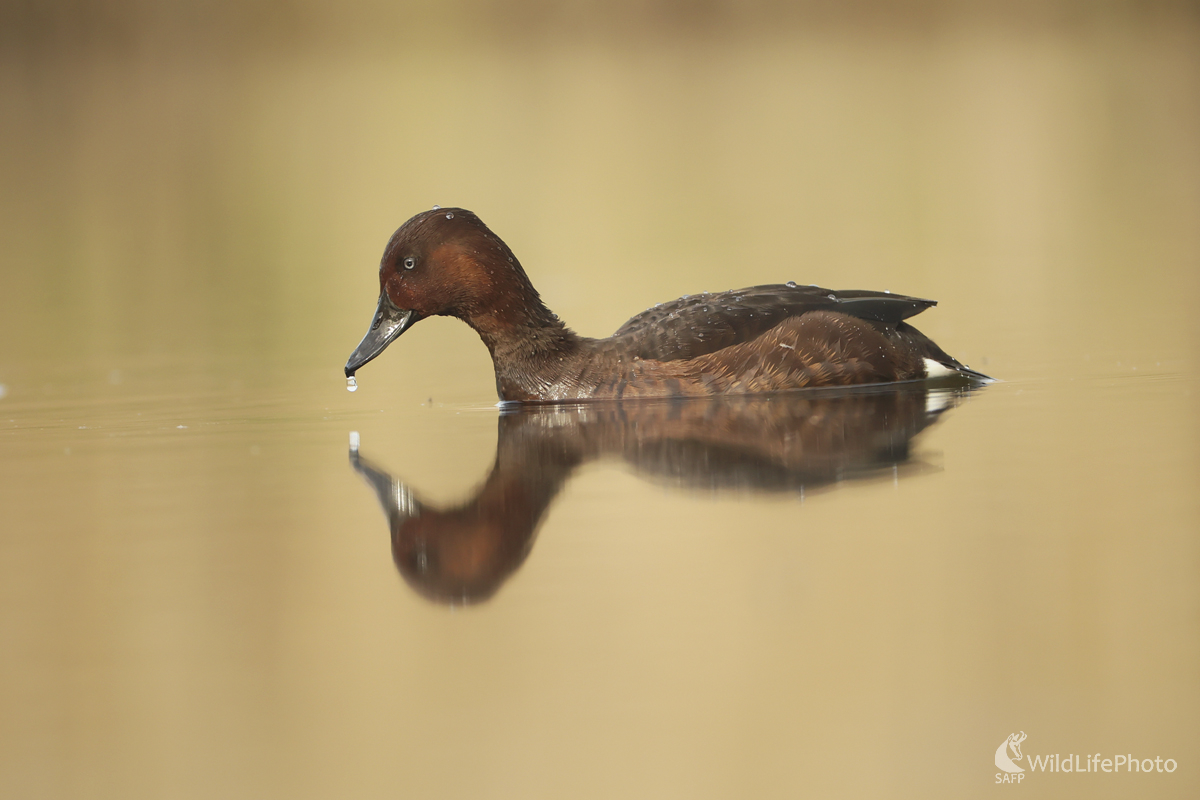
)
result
[(938, 363), (974, 374)]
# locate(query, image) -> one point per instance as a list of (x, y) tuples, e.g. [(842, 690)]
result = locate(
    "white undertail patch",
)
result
[(936, 369)]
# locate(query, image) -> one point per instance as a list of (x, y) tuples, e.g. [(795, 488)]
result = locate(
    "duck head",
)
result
[(444, 261)]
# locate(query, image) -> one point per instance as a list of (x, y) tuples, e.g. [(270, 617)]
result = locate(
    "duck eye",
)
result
[(410, 262)]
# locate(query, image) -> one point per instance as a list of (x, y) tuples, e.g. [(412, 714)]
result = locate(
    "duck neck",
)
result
[(531, 348)]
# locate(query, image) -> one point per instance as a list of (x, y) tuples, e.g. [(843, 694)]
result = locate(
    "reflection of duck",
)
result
[(760, 339), (787, 442)]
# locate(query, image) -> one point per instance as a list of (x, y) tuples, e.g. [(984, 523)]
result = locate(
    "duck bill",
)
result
[(398, 501), (387, 325)]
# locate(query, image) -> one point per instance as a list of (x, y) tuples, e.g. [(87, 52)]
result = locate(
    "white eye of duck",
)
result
[(410, 262)]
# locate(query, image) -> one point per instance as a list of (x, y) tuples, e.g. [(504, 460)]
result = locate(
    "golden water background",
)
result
[(196, 592)]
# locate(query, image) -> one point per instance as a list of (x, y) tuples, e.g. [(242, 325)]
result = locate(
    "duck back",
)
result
[(696, 325)]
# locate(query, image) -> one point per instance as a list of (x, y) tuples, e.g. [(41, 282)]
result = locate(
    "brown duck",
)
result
[(762, 339)]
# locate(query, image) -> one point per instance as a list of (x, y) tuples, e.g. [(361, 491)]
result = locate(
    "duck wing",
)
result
[(698, 324)]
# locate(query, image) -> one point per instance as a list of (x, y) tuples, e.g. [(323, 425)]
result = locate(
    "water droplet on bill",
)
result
[(351, 384)]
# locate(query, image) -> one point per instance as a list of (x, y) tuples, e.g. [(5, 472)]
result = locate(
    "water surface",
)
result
[(851, 596)]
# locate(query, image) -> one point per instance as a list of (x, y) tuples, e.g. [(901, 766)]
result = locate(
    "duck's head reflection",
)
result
[(793, 443), (462, 554)]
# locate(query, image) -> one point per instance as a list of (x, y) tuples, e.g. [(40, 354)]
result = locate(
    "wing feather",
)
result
[(698, 324)]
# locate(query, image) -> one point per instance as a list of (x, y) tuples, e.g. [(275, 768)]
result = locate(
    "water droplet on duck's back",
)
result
[(791, 284), (450, 215), (437, 207)]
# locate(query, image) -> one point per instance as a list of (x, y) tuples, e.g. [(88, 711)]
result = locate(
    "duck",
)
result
[(761, 339)]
